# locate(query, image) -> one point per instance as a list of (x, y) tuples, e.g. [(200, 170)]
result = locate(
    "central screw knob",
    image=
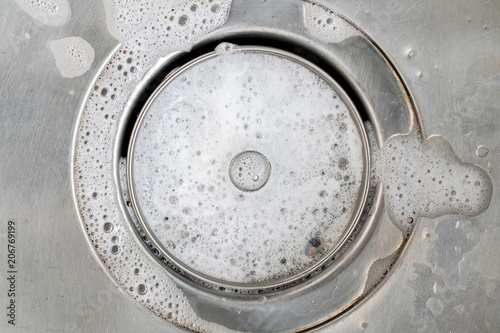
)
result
[(249, 171)]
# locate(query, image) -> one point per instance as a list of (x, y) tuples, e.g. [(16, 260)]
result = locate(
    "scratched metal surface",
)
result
[(449, 276)]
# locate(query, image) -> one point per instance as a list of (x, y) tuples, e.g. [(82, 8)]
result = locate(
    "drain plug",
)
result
[(199, 167)]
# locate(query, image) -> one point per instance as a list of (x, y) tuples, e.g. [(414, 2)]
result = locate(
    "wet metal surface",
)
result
[(448, 277)]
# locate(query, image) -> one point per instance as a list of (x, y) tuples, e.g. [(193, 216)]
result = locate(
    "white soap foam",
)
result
[(95, 185), (227, 48), (237, 102), (73, 56), (426, 178), (126, 18), (52, 13), (422, 178), (326, 25)]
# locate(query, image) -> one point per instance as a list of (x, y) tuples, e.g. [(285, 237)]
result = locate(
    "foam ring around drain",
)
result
[(197, 166)]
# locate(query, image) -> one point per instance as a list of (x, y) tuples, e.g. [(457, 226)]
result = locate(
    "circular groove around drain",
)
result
[(336, 266), (178, 182)]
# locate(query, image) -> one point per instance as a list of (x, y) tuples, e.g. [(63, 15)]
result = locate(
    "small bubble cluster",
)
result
[(298, 177), (48, 12), (152, 19), (326, 25), (73, 56)]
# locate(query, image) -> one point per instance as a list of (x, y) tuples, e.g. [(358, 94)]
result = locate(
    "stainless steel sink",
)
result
[(96, 230)]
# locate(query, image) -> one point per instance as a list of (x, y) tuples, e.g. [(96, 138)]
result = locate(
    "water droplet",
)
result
[(108, 227), (482, 151), (115, 249), (183, 20), (215, 8), (194, 8), (142, 289), (104, 92), (314, 246)]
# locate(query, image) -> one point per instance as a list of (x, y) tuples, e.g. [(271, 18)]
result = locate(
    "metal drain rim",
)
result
[(362, 194), (212, 305)]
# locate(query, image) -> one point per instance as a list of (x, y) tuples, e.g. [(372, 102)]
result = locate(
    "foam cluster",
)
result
[(326, 25), (53, 13), (426, 178), (151, 20), (73, 56), (215, 122)]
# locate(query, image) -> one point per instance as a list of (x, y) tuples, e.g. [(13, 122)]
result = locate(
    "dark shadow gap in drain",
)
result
[(200, 50)]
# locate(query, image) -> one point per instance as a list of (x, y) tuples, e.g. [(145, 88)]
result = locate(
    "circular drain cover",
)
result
[(200, 160)]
